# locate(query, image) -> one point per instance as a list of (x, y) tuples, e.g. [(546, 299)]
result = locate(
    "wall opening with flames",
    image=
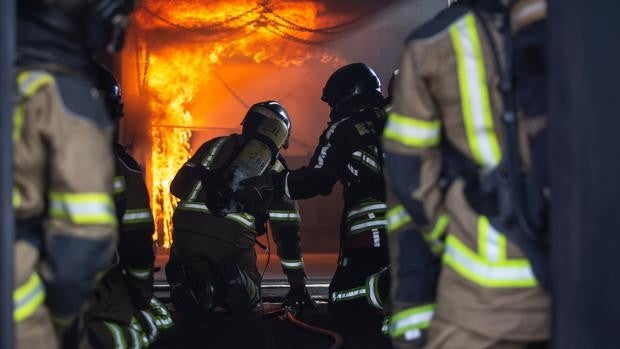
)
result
[(191, 68)]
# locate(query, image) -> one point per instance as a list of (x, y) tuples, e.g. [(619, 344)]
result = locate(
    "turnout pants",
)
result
[(206, 272), (361, 282), (446, 335)]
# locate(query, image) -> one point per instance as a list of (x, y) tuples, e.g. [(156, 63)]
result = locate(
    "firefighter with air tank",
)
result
[(212, 260), (348, 151)]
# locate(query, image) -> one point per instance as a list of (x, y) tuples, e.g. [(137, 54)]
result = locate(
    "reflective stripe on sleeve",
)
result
[(82, 208), (412, 132), (119, 184), (28, 297), (141, 274), (366, 159), (372, 291), (17, 199), (135, 216), (284, 216), (117, 334), (397, 217), (412, 319), (475, 101)]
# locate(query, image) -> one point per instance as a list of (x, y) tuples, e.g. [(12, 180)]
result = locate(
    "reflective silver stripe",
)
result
[(382, 223), (413, 320), (195, 206), (239, 218), (288, 216), (349, 294), (366, 209), (117, 334), (292, 264), (371, 287), (149, 319), (366, 159), (207, 160), (141, 274), (138, 216), (321, 159)]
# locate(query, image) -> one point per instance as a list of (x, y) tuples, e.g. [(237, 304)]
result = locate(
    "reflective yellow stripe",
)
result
[(434, 237), (29, 83), (82, 208), (491, 243), (28, 297), (474, 91), (412, 132), (489, 267), (397, 217), (119, 184), (17, 199), (410, 319)]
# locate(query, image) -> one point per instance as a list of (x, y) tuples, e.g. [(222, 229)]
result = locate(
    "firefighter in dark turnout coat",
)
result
[(349, 151), (212, 261)]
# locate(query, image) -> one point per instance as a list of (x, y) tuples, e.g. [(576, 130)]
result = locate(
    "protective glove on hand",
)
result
[(260, 188), (416, 340)]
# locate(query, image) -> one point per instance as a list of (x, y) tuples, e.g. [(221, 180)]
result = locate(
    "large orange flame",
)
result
[(178, 44)]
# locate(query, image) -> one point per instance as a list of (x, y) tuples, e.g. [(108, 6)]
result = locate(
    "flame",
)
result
[(179, 44)]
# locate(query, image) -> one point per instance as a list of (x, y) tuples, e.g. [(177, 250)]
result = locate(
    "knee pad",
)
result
[(191, 294), (242, 294)]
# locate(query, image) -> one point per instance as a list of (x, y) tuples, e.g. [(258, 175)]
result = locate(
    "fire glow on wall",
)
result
[(173, 51)]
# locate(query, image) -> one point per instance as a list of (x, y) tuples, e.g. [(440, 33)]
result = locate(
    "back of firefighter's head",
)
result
[(352, 87), (110, 91), (266, 110), (95, 24)]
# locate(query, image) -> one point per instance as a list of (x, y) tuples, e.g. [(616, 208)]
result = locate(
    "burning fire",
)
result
[(177, 46)]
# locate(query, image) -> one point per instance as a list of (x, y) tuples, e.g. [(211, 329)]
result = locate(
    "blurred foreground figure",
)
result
[(466, 156), (66, 226), (123, 307), (349, 152), (212, 260)]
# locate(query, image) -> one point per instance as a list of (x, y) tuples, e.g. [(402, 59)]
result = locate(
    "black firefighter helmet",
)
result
[(96, 24), (110, 91), (271, 110), (351, 86)]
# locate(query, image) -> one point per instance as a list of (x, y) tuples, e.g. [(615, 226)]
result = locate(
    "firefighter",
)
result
[(123, 307), (212, 260), (349, 151), (446, 144), (66, 227)]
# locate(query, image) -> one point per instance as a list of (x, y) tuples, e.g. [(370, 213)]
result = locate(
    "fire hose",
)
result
[(285, 313)]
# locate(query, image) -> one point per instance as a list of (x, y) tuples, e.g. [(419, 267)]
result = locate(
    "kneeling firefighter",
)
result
[(212, 260), (123, 307), (454, 120), (349, 151)]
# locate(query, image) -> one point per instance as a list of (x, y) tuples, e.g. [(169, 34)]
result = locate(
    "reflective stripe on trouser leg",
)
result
[(28, 297)]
